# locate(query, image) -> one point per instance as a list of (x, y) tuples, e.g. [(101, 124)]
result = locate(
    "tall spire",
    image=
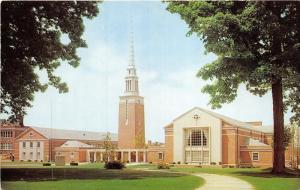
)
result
[(131, 79), (131, 48)]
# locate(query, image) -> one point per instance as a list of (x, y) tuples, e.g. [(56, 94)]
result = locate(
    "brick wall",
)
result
[(169, 143)]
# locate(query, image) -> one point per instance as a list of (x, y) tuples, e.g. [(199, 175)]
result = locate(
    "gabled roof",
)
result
[(52, 133), (228, 120), (75, 144), (254, 142)]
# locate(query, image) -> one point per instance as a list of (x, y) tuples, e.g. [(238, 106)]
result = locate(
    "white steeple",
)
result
[(131, 79)]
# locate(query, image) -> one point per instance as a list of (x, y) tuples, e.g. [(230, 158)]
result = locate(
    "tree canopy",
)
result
[(31, 41), (243, 35), (257, 44)]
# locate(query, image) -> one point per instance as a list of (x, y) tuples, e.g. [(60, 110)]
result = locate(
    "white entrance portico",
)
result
[(123, 155)]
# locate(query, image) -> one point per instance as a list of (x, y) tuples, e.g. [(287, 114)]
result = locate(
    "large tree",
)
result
[(31, 41), (258, 45)]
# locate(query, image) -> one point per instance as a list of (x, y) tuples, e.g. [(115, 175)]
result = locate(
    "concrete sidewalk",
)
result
[(222, 182)]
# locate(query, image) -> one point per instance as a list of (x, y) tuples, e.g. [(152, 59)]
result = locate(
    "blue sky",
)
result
[(166, 60)]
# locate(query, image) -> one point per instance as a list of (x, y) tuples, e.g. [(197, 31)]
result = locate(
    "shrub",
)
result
[(150, 162), (213, 163), (29, 160), (178, 162), (47, 164), (73, 164), (163, 166), (114, 165), (21, 160), (220, 163)]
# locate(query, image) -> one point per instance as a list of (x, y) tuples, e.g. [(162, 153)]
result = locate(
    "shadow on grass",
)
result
[(266, 173), (46, 174)]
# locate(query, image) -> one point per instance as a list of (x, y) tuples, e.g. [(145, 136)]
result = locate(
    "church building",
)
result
[(198, 136)]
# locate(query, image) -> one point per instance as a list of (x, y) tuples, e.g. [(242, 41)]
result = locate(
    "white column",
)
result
[(101, 156), (129, 156), (144, 157), (136, 156), (88, 156), (95, 156)]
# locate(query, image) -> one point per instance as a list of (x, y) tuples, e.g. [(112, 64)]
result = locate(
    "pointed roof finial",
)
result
[(131, 53)]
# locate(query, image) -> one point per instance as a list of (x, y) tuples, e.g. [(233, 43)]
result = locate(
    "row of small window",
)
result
[(38, 144), (6, 134), (38, 155), (6, 146)]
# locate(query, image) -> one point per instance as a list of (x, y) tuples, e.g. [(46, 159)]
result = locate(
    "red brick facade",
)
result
[(9, 132)]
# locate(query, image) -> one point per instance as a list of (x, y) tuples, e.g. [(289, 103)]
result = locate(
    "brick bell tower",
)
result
[(131, 134)]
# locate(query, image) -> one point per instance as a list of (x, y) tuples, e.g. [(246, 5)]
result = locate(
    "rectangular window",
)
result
[(9, 146), (23, 155), (38, 156), (197, 156), (31, 144), (6, 134), (255, 156), (24, 144), (38, 144), (31, 155), (160, 156)]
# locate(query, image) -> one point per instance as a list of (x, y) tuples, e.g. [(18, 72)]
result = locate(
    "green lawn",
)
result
[(92, 177), (261, 179), (18, 164), (163, 183)]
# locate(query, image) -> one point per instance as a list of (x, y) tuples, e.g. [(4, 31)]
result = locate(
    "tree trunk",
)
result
[(278, 150)]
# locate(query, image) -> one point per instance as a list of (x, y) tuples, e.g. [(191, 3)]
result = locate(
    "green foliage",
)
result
[(47, 164), (31, 42), (163, 166), (114, 165), (289, 133), (109, 147), (257, 44), (73, 164)]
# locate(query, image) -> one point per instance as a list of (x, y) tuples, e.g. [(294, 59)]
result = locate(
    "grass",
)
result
[(164, 183), (92, 177), (261, 179), (19, 164)]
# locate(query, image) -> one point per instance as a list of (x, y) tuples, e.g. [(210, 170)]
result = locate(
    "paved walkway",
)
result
[(222, 182)]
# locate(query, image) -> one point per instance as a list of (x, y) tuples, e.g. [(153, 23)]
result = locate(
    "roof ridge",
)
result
[(72, 130)]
